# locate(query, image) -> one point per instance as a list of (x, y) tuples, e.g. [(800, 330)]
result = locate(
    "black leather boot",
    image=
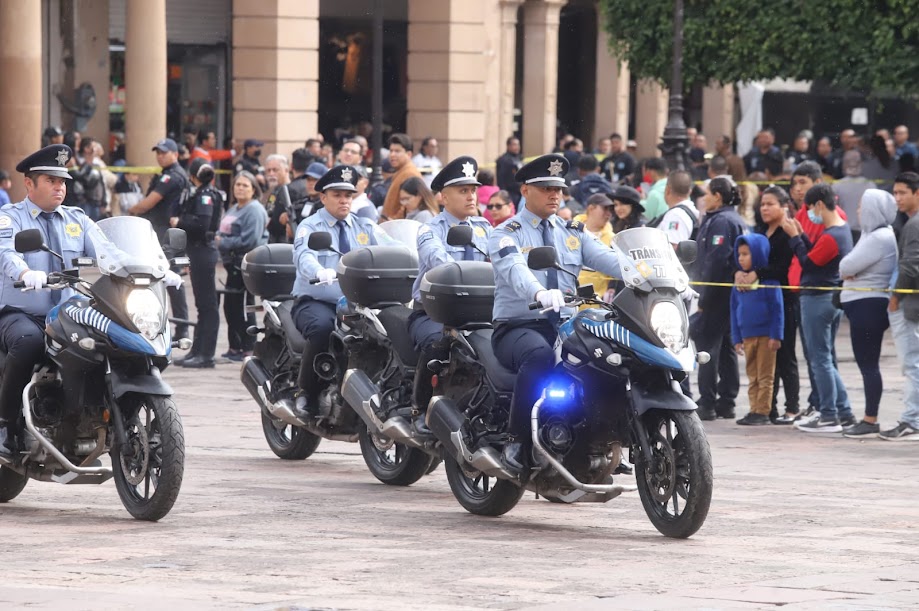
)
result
[(8, 445)]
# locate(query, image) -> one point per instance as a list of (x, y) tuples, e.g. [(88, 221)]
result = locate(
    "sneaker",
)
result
[(848, 421), (787, 418), (820, 425), (238, 357), (230, 353), (809, 414), (862, 429), (752, 419), (901, 432)]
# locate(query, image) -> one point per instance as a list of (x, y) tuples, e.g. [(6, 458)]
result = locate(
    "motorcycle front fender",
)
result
[(645, 399), (150, 384)]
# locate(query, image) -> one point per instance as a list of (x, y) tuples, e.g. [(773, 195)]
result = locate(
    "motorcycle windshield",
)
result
[(404, 231), (648, 261), (129, 245)]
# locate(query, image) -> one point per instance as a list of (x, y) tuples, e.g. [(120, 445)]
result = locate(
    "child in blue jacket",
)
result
[(757, 326)]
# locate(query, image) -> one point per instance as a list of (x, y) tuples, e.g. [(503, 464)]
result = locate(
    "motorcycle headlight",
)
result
[(146, 312), (667, 323)]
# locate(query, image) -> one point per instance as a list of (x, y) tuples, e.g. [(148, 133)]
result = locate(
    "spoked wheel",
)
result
[(393, 463), (676, 487), (479, 493), (287, 441), (11, 484), (148, 470)]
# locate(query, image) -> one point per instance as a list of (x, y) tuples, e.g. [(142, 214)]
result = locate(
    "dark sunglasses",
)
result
[(495, 206)]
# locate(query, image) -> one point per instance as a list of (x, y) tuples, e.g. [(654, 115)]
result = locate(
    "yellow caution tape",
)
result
[(150, 169)]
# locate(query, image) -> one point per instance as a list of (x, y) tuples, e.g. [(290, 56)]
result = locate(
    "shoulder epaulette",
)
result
[(576, 225), (512, 226)]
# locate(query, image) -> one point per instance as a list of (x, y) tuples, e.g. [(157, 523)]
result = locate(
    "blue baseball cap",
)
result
[(166, 145)]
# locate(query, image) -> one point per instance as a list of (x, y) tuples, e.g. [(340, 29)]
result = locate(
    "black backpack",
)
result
[(695, 221)]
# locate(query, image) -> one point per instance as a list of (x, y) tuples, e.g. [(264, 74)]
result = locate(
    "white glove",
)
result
[(35, 279), (172, 279), (326, 276), (552, 298)]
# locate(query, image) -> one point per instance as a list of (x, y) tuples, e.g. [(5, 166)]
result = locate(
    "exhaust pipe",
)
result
[(257, 380), (363, 397), (446, 421)]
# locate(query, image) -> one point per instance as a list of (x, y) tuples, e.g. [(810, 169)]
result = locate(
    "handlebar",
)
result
[(317, 281), (19, 284)]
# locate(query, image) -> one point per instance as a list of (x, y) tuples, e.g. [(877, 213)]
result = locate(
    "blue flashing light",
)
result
[(555, 393)]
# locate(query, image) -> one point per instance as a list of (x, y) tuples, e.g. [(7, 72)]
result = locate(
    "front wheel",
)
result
[(393, 463), (676, 487), (148, 470), (481, 494), (11, 484), (288, 442)]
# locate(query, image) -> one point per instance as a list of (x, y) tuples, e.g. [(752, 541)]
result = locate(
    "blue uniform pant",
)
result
[(427, 336), (203, 258), (22, 337), (315, 320), (529, 349)]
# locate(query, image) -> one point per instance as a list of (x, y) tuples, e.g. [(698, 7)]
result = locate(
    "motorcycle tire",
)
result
[(481, 494), (155, 458), (11, 484), (297, 444), (404, 468), (680, 473)]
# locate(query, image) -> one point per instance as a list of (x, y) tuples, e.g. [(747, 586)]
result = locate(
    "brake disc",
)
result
[(134, 467)]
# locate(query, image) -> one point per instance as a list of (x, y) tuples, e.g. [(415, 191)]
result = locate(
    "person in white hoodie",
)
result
[(870, 265)]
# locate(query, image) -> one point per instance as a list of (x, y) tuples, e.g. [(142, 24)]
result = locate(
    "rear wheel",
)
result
[(393, 463), (479, 493), (11, 484), (148, 470), (286, 441), (676, 487)]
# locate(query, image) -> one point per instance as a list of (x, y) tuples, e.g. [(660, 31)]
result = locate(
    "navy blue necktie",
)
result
[(468, 250), (551, 274), (54, 243), (344, 246)]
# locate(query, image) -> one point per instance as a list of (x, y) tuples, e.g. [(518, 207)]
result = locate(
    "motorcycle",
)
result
[(617, 386), (368, 369), (99, 388)]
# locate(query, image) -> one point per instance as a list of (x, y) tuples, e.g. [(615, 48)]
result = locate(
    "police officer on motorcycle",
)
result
[(314, 312), (457, 185), (66, 231), (524, 339)]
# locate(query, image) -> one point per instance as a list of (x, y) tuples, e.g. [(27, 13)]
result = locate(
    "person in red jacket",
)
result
[(207, 149)]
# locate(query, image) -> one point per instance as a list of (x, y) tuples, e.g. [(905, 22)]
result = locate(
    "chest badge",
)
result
[(363, 239), (572, 242), (73, 230), (5, 222), (479, 232)]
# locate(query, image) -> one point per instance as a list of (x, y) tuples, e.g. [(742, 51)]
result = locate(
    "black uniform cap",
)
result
[(460, 171), (339, 178), (545, 171), (51, 160)]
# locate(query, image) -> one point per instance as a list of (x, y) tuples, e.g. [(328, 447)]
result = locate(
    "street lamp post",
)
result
[(675, 143)]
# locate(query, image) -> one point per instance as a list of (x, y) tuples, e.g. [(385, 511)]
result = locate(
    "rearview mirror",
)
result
[(542, 257), (176, 240), (687, 251), (29, 240), (320, 240), (459, 235)]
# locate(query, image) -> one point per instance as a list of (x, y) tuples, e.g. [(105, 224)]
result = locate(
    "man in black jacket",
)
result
[(506, 167)]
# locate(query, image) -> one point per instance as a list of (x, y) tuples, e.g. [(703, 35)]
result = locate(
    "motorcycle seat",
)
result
[(295, 340), (395, 320), (501, 377)]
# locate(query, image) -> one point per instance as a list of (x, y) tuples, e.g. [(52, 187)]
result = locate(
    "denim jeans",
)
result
[(906, 338), (819, 322)]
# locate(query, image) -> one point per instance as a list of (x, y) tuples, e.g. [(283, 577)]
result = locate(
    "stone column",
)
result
[(540, 69), (651, 105), (447, 75), (508, 76), (276, 72), (91, 62), (144, 79), (613, 90), (717, 113), (21, 97)]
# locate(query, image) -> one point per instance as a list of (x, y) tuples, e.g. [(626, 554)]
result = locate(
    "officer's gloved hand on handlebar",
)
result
[(551, 298), (172, 279), (326, 276), (35, 279)]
